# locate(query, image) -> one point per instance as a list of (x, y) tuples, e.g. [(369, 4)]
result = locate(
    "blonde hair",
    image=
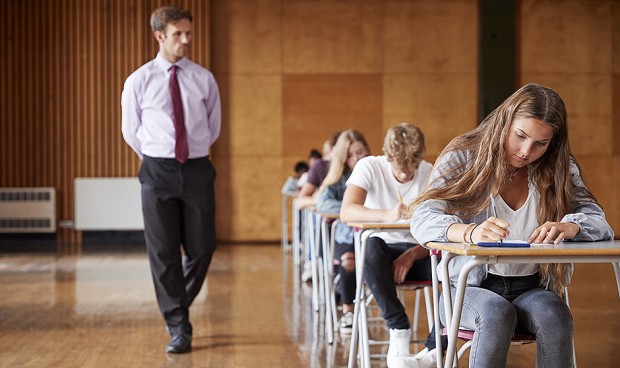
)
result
[(467, 186), (340, 153), (404, 145)]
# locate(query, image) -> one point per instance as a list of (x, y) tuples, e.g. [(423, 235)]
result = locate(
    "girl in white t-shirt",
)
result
[(376, 191)]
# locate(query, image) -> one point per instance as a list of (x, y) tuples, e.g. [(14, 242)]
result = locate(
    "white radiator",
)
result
[(28, 210), (108, 204)]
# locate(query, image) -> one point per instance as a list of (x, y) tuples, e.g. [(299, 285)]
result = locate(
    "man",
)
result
[(171, 117)]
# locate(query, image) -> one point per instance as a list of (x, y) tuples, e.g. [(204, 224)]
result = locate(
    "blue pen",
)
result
[(495, 212)]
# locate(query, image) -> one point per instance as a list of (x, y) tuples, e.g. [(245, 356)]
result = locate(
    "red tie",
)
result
[(181, 151)]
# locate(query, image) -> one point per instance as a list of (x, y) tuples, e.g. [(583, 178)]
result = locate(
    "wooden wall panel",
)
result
[(317, 105), (332, 36), (572, 47), (247, 36), (440, 104), (578, 30), (616, 74), (430, 36), (248, 200), (252, 108)]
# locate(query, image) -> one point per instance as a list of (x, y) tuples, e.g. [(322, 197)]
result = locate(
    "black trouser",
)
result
[(178, 203), (380, 280), (347, 279)]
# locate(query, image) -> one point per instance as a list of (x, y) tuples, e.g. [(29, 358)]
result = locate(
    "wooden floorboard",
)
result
[(97, 309)]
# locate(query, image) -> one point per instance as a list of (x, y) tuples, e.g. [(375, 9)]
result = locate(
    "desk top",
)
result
[(379, 225), (331, 216), (598, 248)]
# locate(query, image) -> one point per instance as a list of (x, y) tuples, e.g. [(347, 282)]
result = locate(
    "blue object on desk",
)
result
[(505, 244)]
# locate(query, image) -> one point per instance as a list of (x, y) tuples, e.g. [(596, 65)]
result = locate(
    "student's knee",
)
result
[(497, 314), (347, 261), (555, 314), (375, 249)]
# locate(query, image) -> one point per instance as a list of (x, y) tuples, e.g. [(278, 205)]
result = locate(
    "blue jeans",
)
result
[(502, 305), (380, 280)]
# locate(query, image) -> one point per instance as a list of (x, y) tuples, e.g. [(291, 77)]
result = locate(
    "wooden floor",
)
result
[(97, 309)]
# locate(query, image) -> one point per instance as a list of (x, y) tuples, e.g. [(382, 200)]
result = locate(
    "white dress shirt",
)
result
[(147, 124)]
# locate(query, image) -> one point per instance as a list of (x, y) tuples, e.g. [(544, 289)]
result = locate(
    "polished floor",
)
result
[(97, 309)]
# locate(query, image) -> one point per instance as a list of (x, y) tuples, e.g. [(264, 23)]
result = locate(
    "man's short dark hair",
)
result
[(161, 17)]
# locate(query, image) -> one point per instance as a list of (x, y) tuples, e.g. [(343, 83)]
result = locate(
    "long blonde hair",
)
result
[(339, 155), (466, 186)]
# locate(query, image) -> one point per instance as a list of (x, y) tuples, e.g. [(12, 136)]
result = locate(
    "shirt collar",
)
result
[(165, 64)]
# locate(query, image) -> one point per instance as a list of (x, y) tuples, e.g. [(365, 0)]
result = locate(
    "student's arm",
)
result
[(402, 264), (305, 198), (430, 221), (330, 199), (353, 208)]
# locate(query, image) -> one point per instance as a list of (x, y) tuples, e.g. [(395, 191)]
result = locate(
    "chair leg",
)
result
[(429, 308), (416, 313)]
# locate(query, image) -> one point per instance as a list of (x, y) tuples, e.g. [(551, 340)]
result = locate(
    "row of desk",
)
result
[(565, 252)]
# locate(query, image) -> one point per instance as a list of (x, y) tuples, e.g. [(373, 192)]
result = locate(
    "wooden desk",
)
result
[(565, 252), (363, 230)]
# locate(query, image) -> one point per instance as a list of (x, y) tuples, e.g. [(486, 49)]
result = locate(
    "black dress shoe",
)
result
[(180, 343)]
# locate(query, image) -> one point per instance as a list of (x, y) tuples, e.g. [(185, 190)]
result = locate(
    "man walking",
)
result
[(171, 117)]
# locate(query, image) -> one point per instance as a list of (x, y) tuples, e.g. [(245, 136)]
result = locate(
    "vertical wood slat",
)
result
[(63, 71)]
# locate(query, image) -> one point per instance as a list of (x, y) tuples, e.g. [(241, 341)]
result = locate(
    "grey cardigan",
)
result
[(429, 222)]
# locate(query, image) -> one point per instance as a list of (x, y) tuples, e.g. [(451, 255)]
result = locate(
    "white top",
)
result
[(374, 175), (523, 222)]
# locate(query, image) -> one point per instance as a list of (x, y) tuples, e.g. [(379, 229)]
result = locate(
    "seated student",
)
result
[(349, 149), (375, 192), (292, 183), (519, 154), (308, 192), (315, 157), (316, 175)]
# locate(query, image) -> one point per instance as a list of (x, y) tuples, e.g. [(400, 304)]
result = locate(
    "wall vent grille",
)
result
[(27, 210)]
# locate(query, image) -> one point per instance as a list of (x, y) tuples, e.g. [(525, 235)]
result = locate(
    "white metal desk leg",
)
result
[(284, 223), (327, 280), (438, 347), (319, 258), (296, 235), (458, 308), (332, 242), (310, 235), (617, 272), (363, 318), (358, 299), (447, 300)]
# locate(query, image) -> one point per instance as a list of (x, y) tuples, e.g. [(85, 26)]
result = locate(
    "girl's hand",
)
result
[(492, 230), (395, 214), (554, 232)]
